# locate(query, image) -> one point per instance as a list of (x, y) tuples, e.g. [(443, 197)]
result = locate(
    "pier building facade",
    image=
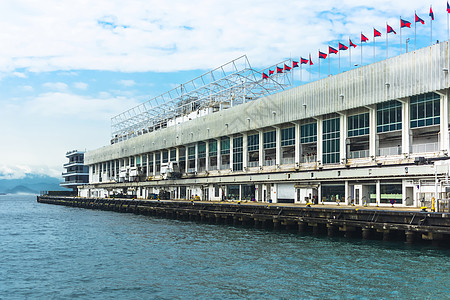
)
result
[(375, 135)]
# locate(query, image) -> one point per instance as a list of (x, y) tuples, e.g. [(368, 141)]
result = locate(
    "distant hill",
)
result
[(20, 189), (30, 184)]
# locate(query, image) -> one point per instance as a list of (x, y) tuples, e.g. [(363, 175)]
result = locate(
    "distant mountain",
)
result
[(31, 183), (20, 189)]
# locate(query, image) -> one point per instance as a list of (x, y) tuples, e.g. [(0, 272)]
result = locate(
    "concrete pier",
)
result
[(410, 226)]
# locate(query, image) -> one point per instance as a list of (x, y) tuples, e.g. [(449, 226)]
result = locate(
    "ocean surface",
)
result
[(57, 252)]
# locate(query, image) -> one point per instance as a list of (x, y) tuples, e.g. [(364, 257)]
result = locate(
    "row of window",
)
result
[(424, 111)]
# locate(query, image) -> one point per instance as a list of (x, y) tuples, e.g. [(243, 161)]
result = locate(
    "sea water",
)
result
[(58, 252)]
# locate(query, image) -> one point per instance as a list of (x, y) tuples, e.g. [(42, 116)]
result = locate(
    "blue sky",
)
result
[(67, 67)]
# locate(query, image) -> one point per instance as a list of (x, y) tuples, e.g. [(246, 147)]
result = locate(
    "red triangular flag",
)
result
[(376, 33), (363, 38)]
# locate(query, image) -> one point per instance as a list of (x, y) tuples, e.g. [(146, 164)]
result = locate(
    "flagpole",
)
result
[(361, 49), (301, 70), (329, 58), (319, 64), (415, 29), (339, 61), (447, 24), (387, 45), (350, 55), (374, 45), (401, 45), (431, 34), (309, 67), (292, 73)]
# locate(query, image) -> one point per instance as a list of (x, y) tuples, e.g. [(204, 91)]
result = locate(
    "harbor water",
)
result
[(58, 252)]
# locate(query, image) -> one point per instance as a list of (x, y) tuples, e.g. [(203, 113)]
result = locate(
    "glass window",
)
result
[(389, 116), (358, 125), (308, 133), (425, 110), (331, 135), (173, 154), (288, 136), (225, 145), (191, 152), (165, 156), (269, 139), (201, 150), (237, 153), (253, 142), (212, 148)]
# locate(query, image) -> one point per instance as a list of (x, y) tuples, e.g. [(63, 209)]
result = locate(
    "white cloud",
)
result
[(127, 83), (20, 75), (63, 105), (57, 86), (21, 171), (179, 35), (13, 172), (27, 88), (81, 85)]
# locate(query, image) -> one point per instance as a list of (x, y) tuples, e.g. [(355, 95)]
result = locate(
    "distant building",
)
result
[(76, 172)]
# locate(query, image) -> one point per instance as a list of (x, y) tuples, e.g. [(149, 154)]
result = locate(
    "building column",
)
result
[(347, 193), (186, 162), (378, 192), (219, 157), (319, 139), (319, 193), (244, 151), (231, 153), (406, 135), (343, 138), (196, 157), (443, 133), (277, 146), (154, 163), (177, 154), (207, 156), (147, 164), (261, 149), (298, 148), (373, 138)]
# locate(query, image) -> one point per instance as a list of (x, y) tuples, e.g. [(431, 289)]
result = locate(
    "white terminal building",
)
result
[(372, 135)]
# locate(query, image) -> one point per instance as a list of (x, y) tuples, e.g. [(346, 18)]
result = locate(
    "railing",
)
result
[(308, 159), (75, 173), (73, 181), (224, 166), (288, 160), (390, 151), (73, 162), (252, 164), (423, 148), (359, 154), (270, 162)]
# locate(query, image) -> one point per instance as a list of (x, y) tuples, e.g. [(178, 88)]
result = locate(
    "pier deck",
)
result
[(409, 224)]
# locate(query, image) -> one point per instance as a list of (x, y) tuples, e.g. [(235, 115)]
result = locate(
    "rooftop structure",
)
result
[(231, 84)]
